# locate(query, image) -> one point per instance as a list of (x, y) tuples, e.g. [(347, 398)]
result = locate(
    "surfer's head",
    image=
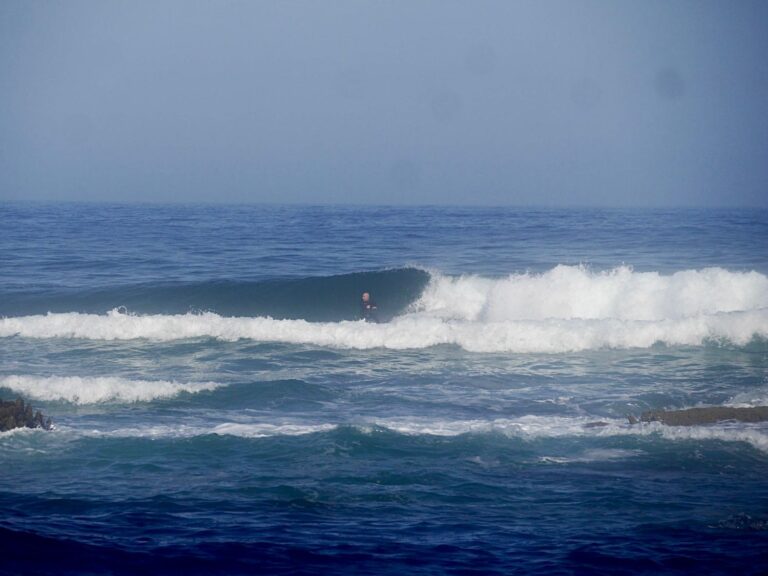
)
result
[(366, 296)]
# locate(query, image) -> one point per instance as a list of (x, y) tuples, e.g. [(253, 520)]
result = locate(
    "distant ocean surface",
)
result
[(219, 408)]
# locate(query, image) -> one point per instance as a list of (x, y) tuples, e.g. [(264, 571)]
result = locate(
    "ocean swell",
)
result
[(526, 428), (317, 299), (566, 309)]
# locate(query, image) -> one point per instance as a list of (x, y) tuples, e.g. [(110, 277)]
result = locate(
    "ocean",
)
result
[(220, 408)]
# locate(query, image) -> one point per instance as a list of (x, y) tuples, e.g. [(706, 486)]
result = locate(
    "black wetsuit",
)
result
[(368, 310)]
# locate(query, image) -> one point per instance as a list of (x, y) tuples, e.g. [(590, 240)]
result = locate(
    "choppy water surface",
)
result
[(219, 407)]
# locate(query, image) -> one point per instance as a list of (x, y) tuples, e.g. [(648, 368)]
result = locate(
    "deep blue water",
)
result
[(219, 408)]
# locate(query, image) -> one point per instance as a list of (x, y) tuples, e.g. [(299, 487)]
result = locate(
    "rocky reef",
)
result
[(18, 414), (699, 416)]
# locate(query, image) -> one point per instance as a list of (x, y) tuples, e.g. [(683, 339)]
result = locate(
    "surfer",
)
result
[(368, 308)]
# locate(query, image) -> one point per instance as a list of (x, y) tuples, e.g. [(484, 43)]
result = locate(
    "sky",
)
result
[(514, 102)]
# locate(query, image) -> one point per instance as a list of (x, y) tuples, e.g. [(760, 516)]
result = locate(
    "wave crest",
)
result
[(97, 390), (571, 292)]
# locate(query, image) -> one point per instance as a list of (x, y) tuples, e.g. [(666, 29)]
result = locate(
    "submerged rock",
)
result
[(596, 424), (698, 416), (17, 414)]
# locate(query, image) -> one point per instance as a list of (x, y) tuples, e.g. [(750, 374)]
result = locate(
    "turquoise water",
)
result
[(219, 408)]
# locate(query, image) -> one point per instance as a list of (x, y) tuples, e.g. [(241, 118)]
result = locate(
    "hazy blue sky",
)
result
[(510, 102)]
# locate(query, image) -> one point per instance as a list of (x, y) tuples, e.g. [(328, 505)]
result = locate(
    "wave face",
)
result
[(565, 309), (317, 299)]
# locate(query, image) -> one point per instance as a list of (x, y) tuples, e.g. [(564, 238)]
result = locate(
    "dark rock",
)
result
[(17, 414), (698, 416)]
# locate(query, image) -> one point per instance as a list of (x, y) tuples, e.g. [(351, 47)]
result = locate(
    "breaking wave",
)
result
[(575, 292), (569, 308), (96, 390)]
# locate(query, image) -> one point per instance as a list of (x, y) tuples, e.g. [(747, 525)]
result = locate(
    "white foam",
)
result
[(534, 427), (593, 455), (20, 432), (95, 390), (408, 332), (243, 430), (758, 397), (570, 292), (261, 430), (564, 310), (756, 435), (525, 428)]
